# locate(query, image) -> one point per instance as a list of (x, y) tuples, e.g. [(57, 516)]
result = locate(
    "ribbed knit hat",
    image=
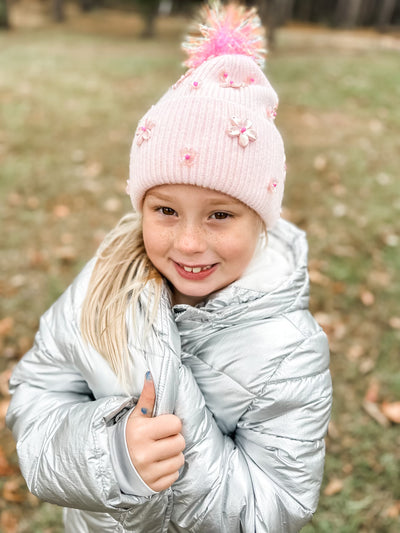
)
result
[(215, 127)]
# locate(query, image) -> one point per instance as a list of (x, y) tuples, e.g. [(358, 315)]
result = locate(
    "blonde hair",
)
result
[(121, 273)]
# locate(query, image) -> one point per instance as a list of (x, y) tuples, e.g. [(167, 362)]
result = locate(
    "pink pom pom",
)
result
[(229, 29)]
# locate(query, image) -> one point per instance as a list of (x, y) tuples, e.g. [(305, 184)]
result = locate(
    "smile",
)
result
[(196, 270), (195, 273)]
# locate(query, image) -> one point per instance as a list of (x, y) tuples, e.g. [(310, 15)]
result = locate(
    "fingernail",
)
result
[(149, 377), (144, 410)]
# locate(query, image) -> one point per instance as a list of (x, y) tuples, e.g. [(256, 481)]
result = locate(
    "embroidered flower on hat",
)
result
[(272, 185), (243, 130), (272, 111), (227, 82), (143, 133), (188, 156)]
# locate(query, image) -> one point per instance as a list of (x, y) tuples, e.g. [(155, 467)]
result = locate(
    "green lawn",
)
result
[(70, 99)]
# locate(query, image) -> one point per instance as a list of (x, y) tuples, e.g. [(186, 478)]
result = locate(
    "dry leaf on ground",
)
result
[(5, 468), (8, 522), (372, 409), (12, 491), (391, 411), (333, 487)]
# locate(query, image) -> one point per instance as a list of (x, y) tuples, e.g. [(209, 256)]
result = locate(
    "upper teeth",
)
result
[(196, 270)]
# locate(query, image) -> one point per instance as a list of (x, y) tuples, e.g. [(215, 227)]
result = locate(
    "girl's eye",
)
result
[(167, 211), (220, 215)]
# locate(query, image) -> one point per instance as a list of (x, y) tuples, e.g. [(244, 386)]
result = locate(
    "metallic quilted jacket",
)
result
[(247, 372)]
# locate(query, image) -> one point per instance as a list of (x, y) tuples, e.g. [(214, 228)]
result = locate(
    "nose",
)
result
[(190, 239)]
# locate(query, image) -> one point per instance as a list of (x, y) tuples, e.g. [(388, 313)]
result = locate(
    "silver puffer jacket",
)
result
[(248, 375)]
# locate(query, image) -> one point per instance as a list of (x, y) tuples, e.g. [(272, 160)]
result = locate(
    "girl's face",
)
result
[(199, 239)]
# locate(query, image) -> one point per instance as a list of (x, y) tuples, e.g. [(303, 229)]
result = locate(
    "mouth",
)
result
[(195, 272), (195, 269)]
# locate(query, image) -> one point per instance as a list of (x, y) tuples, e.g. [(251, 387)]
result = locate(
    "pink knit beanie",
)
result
[(215, 127)]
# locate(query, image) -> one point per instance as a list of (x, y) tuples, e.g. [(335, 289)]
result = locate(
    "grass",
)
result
[(70, 100)]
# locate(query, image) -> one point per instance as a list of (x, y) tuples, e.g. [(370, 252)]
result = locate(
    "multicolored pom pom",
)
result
[(230, 29)]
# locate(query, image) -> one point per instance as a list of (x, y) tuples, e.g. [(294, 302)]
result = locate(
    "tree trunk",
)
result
[(386, 12), (348, 12), (267, 9), (4, 20), (58, 10)]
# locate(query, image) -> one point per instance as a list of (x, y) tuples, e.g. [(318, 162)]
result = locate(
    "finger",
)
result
[(164, 426), (168, 447), (145, 405), (164, 483), (166, 468)]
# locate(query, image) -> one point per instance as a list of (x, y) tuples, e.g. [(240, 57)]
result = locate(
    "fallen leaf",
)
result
[(32, 202), (320, 162), (367, 365), (334, 486), (66, 253), (392, 411), (375, 413), (8, 522), (394, 510), (12, 491), (367, 297), (6, 326), (112, 205), (394, 322), (318, 278), (5, 468), (92, 170), (355, 352), (61, 211), (372, 394)]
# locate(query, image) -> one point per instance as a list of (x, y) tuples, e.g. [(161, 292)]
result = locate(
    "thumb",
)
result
[(147, 399)]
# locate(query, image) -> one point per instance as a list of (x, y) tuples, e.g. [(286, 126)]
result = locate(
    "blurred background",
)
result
[(76, 76)]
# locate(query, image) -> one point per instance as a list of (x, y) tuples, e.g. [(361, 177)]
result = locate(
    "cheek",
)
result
[(238, 249), (155, 240)]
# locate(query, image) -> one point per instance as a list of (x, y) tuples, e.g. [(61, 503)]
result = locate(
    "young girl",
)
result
[(180, 384)]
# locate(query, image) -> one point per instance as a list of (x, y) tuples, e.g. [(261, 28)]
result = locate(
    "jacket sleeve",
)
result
[(63, 432), (267, 476)]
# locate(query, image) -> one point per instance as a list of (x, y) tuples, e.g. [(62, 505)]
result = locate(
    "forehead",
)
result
[(186, 192)]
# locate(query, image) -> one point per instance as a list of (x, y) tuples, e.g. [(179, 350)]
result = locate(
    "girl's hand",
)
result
[(155, 444)]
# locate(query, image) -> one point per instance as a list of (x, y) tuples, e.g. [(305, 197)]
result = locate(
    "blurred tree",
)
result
[(386, 12), (348, 12), (149, 11), (58, 10), (274, 13), (4, 20)]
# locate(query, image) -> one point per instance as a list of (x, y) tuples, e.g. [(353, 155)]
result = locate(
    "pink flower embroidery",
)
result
[(273, 185), (188, 156), (272, 111), (243, 130), (143, 133), (227, 82)]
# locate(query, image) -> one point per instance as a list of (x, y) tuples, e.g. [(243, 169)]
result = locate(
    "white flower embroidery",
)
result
[(227, 82), (143, 133), (243, 130)]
